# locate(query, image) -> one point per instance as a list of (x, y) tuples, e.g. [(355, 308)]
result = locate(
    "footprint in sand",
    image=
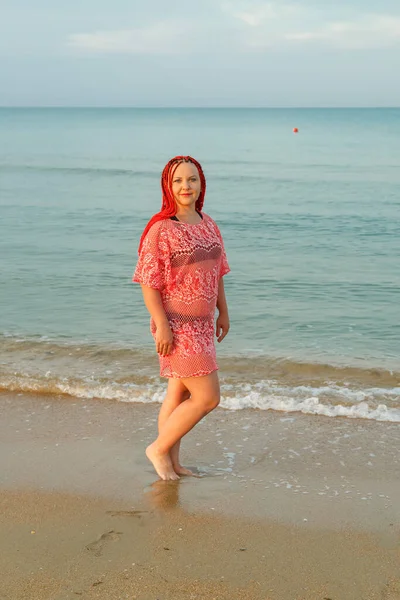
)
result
[(96, 547), (391, 590)]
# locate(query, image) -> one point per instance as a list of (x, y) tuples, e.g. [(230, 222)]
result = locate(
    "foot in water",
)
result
[(179, 470), (162, 463)]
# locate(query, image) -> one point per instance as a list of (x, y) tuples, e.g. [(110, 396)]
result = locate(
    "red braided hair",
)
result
[(168, 208)]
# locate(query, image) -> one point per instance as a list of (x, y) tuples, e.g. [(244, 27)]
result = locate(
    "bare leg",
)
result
[(178, 468), (176, 394), (204, 398)]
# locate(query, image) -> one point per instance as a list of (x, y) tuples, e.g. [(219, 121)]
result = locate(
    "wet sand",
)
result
[(285, 507)]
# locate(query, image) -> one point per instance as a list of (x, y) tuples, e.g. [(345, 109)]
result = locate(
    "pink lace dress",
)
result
[(185, 263)]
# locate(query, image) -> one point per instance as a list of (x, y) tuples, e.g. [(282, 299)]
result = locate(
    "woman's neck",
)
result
[(188, 215)]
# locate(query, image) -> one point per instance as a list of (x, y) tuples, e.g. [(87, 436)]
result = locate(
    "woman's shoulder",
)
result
[(159, 226), (206, 217), (210, 221)]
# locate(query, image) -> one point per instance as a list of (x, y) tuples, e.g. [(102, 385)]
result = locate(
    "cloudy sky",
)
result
[(200, 53)]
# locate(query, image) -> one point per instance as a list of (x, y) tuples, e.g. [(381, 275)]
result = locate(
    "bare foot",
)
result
[(161, 462), (179, 470)]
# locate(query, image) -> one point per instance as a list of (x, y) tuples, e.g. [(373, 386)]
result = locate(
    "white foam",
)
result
[(332, 401), (311, 406)]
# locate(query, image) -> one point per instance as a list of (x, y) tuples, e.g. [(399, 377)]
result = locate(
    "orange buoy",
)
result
[(295, 130)]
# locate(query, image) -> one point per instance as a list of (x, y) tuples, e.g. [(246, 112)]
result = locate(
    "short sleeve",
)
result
[(224, 266), (150, 266)]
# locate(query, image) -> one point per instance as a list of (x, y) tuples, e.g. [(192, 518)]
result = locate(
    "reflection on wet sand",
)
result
[(164, 495)]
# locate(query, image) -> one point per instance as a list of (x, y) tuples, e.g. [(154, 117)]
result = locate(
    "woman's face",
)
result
[(186, 185)]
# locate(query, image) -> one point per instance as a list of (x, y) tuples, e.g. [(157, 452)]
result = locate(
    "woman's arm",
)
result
[(153, 302), (221, 300), (222, 326)]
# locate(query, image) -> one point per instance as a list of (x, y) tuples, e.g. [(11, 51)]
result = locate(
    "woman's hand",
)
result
[(164, 339), (222, 326)]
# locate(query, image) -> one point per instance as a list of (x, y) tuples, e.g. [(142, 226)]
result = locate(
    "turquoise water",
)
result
[(310, 221)]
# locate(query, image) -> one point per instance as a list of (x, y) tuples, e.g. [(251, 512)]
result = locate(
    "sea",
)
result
[(311, 225)]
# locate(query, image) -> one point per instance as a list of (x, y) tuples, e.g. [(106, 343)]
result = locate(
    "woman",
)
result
[(180, 268)]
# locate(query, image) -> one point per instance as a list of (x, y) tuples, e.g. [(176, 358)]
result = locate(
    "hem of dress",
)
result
[(198, 374)]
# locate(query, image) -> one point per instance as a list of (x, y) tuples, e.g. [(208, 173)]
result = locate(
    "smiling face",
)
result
[(186, 185)]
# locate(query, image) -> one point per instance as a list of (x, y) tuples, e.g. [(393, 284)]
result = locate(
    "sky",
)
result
[(204, 53)]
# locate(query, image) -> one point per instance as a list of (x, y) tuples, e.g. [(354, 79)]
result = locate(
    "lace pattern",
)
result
[(185, 263)]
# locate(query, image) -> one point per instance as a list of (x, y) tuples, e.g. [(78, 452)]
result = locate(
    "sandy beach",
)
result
[(285, 507)]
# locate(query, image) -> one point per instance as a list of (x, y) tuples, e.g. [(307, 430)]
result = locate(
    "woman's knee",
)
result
[(211, 399), (205, 391), (212, 402)]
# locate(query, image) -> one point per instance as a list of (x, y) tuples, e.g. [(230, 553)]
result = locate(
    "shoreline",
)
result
[(286, 506)]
